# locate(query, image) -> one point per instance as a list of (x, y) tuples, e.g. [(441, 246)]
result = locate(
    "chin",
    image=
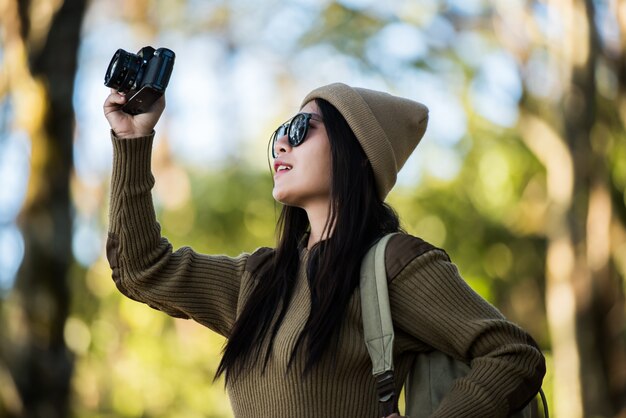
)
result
[(284, 198), (279, 197)]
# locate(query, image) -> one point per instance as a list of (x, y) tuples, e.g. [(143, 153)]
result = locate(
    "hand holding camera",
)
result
[(138, 82)]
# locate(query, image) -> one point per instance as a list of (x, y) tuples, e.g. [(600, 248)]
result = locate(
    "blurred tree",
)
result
[(574, 133), (40, 42)]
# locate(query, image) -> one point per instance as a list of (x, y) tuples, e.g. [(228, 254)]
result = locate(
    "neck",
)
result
[(318, 217)]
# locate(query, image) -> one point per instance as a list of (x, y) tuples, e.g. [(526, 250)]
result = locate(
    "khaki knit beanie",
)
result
[(388, 127)]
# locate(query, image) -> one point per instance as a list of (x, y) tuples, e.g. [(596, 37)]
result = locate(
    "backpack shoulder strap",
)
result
[(376, 269), (377, 323)]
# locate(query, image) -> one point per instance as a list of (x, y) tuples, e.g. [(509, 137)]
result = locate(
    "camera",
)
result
[(142, 77)]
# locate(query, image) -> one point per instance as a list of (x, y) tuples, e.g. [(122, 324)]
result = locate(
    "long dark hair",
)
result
[(359, 217)]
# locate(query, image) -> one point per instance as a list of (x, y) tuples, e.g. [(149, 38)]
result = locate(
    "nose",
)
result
[(281, 145)]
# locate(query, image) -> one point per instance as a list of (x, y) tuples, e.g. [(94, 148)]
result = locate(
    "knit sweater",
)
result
[(432, 308)]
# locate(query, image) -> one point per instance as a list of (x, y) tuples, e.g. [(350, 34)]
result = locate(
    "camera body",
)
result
[(142, 77)]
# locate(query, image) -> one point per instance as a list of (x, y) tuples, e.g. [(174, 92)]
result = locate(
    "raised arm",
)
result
[(182, 283)]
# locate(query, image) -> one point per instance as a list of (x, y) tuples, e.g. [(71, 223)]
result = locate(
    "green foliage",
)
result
[(228, 212), (134, 361), (339, 20)]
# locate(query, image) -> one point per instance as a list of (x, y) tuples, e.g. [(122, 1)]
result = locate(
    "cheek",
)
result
[(327, 174), (326, 169), (319, 167)]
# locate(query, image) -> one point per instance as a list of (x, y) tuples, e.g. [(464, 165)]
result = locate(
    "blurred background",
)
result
[(521, 177)]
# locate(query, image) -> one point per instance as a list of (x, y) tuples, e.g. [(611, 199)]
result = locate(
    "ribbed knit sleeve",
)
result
[(144, 266), (431, 302)]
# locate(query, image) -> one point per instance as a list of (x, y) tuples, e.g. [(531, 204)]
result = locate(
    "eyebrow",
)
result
[(315, 116)]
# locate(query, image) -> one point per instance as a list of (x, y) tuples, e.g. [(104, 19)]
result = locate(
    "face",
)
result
[(302, 173)]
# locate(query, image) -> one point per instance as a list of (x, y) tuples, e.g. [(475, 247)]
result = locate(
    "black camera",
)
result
[(142, 77)]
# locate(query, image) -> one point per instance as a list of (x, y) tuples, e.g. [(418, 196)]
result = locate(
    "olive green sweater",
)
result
[(432, 307)]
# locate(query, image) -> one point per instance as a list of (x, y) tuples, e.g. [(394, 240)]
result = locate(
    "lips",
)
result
[(281, 167)]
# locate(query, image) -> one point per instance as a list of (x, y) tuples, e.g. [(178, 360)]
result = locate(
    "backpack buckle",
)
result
[(386, 389)]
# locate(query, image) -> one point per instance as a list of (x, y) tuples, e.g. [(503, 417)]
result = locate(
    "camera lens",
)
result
[(123, 70)]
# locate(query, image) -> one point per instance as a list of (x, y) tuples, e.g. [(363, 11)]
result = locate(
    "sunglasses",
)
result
[(295, 129)]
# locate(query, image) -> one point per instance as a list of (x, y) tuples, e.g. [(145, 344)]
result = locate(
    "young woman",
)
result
[(292, 313)]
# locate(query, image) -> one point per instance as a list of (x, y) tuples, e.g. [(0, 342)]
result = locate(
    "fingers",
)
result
[(127, 125), (114, 99)]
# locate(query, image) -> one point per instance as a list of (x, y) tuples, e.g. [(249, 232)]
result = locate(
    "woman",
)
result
[(291, 314)]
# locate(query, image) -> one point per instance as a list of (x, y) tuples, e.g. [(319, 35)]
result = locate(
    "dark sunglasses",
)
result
[(295, 128)]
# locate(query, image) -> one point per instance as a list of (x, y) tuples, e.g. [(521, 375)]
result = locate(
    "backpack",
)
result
[(431, 375)]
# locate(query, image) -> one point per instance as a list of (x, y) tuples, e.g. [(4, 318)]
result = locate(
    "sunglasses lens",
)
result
[(295, 130), (298, 129)]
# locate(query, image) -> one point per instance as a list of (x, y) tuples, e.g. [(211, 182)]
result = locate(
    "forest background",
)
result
[(521, 177)]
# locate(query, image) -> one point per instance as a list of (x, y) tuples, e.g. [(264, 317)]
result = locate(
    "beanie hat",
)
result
[(387, 127)]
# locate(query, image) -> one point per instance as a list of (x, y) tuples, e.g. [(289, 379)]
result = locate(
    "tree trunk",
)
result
[(585, 296), (39, 362)]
